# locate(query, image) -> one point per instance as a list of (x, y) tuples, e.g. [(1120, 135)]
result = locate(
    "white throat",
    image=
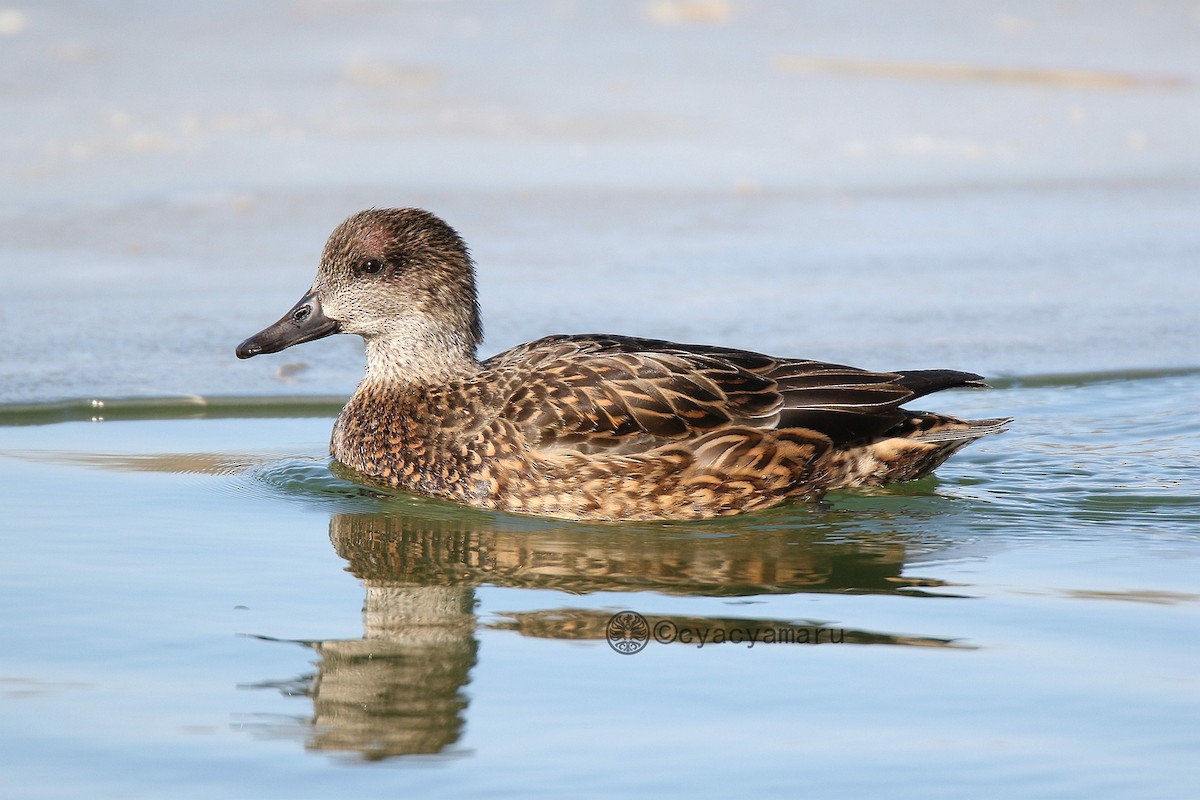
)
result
[(415, 352)]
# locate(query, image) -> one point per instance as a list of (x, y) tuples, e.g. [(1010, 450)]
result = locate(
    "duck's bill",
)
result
[(303, 323)]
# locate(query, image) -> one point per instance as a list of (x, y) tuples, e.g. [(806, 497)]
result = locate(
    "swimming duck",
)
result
[(589, 426)]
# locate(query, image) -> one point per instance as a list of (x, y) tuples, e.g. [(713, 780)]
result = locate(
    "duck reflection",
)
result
[(400, 689), (710, 559)]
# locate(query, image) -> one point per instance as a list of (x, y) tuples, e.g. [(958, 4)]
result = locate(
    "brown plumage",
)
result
[(589, 426)]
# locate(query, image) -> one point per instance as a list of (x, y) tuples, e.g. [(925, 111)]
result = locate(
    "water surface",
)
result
[(194, 606), (198, 607)]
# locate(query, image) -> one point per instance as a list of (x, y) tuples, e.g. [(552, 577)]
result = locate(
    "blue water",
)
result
[(198, 608), (194, 606)]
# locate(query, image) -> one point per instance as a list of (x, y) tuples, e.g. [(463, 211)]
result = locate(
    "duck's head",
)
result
[(402, 279)]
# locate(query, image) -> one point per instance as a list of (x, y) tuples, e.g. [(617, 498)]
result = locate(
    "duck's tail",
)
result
[(910, 450)]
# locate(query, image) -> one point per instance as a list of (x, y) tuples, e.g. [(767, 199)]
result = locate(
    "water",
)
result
[(673, 175), (199, 607), (195, 606)]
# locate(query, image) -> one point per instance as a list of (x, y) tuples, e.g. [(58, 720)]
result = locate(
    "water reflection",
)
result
[(712, 561), (401, 689)]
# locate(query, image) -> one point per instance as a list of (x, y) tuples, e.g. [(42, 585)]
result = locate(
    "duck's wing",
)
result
[(626, 395)]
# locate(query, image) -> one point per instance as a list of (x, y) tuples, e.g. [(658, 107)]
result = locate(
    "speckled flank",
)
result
[(591, 426)]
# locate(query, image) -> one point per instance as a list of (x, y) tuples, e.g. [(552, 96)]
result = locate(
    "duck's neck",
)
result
[(430, 359)]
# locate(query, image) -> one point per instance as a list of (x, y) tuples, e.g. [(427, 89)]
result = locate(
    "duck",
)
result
[(589, 426)]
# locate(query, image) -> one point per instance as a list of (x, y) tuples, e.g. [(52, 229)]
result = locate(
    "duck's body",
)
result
[(590, 426)]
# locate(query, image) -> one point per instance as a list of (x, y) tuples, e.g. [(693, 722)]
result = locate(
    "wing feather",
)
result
[(624, 395)]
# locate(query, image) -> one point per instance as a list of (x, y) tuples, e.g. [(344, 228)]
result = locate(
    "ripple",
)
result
[(301, 478)]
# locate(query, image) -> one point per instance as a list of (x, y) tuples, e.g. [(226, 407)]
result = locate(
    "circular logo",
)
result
[(627, 632)]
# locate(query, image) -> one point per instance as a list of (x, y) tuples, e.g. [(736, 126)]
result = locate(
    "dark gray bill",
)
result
[(303, 323)]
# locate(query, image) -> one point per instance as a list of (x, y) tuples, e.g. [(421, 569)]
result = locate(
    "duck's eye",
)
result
[(372, 267)]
